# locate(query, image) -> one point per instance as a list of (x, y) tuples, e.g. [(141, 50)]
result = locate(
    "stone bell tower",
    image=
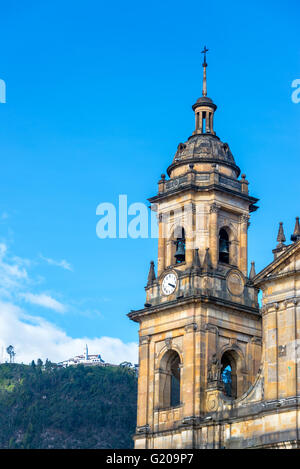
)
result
[(200, 328)]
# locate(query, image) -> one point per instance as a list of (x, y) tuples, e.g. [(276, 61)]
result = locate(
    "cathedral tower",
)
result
[(200, 329)]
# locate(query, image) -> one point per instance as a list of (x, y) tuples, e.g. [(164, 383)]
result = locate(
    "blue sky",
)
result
[(98, 97)]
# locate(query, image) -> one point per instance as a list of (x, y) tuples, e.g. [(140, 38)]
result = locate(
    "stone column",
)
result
[(188, 375), (197, 116), (287, 349), (161, 245), (143, 382), (213, 235), (207, 122), (201, 122), (212, 123), (297, 342), (243, 258), (212, 341), (255, 349), (190, 211), (270, 351)]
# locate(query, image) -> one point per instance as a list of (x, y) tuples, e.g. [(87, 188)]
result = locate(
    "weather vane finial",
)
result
[(204, 89)]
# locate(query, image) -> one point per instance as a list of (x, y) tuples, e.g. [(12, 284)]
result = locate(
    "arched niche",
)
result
[(231, 373), (169, 380)]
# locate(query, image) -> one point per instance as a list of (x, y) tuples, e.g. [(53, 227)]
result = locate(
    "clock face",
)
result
[(169, 283)]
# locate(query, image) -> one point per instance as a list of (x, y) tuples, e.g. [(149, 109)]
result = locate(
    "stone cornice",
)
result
[(251, 411), (283, 304), (209, 187), (205, 299)]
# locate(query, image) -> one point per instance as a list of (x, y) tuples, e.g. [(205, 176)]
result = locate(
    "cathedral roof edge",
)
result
[(270, 268)]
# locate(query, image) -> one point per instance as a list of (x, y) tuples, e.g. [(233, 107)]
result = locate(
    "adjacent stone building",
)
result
[(215, 370)]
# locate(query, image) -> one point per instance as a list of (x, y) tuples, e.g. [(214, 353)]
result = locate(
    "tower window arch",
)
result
[(231, 374), (169, 380), (224, 246)]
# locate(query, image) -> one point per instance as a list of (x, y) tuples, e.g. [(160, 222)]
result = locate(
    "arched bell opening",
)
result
[(169, 380), (179, 245), (224, 246)]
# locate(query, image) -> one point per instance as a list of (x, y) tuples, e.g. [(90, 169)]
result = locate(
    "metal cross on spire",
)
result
[(204, 88), (204, 52)]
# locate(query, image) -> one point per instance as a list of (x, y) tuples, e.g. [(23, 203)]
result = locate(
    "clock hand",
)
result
[(171, 285)]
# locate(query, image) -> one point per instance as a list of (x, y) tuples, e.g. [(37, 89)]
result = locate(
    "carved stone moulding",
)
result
[(168, 342), (190, 327), (143, 429), (214, 208), (144, 340)]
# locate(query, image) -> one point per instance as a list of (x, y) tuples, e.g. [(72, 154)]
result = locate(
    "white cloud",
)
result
[(34, 337), (63, 263), (13, 274), (45, 301), (14, 279)]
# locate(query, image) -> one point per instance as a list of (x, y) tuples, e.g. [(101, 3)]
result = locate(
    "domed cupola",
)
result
[(203, 148)]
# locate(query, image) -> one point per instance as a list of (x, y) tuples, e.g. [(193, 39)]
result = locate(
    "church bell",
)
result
[(224, 249), (180, 251)]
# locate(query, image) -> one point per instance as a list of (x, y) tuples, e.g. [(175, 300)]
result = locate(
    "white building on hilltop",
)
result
[(84, 359)]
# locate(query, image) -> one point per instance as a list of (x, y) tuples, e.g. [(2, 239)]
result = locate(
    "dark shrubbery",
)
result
[(74, 407)]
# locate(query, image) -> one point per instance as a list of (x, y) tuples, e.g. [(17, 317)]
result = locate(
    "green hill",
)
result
[(74, 407)]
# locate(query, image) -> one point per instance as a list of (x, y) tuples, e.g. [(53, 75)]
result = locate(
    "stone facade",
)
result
[(208, 320)]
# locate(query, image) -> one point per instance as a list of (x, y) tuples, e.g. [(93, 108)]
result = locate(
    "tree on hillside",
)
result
[(11, 352)]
